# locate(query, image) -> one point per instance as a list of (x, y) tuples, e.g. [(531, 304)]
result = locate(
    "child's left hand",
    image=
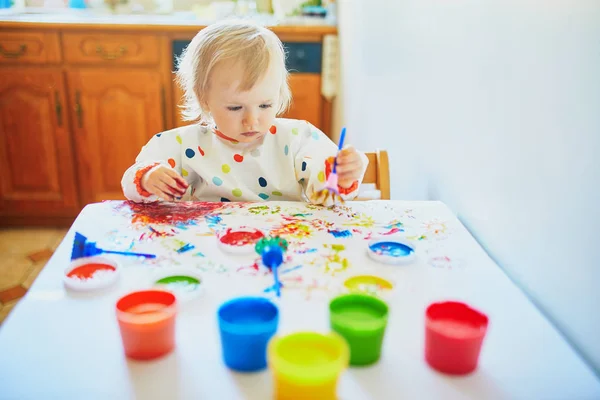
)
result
[(350, 166)]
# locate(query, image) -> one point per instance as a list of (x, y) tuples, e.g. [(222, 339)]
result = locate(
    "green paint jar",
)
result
[(361, 320)]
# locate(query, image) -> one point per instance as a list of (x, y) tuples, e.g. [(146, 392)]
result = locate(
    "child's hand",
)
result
[(350, 166), (164, 183)]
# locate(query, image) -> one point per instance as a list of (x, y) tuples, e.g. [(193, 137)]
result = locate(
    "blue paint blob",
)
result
[(158, 134), (225, 199), (190, 153), (303, 165), (341, 234), (286, 150), (263, 196), (392, 249), (262, 182), (217, 181)]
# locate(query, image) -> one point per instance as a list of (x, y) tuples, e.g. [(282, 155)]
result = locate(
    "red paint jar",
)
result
[(454, 335), (147, 323)]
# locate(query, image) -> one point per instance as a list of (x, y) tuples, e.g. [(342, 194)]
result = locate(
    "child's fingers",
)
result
[(347, 167), (163, 191), (173, 174), (172, 183)]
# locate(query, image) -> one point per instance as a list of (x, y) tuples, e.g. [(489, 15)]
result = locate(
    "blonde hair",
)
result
[(251, 45)]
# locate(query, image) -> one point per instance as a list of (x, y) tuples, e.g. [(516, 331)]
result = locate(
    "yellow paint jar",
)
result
[(307, 365)]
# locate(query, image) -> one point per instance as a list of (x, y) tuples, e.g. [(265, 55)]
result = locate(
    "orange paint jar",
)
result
[(147, 323)]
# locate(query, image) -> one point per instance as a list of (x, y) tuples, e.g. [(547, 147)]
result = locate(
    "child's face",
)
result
[(243, 116)]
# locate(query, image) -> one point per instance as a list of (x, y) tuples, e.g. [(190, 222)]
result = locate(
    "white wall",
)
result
[(492, 106)]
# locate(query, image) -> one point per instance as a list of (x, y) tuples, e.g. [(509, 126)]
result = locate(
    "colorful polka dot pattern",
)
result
[(184, 172), (237, 192), (225, 168), (225, 200), (263, 196), (201, 151), (171, 162), (286, 150), (303, 165), (295, 131), (217, 181), (189, 153), (276, 193), (178, 138), (262, 182), (238, 158), (273, 129), (321, 176)]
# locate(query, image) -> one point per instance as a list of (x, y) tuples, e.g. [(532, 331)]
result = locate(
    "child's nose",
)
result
[(251, 119)]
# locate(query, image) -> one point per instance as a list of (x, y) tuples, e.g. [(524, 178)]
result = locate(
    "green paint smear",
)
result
[(179, 279)]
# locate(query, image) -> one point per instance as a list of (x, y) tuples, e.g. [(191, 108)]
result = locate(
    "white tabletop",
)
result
[(59, 345)]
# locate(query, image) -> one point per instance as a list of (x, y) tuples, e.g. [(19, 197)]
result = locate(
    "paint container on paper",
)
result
[(185, 283), (246, 324), (91, 273), (454, 334), (368, 284), (391, 251), (362, 321), (147, 323), (307, 365), (240, 240)]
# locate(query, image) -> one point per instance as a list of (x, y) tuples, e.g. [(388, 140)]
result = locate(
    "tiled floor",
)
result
[(23, 254)]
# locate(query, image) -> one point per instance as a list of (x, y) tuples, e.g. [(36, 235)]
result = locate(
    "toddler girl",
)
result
[(235, 83)]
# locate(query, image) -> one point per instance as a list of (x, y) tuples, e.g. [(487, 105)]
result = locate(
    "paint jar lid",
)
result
[(91, 273), (369, 284), (239, 240), (391, 251), (185, 283)]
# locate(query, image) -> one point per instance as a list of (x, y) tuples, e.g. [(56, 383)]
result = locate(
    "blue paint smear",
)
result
[(186, 247), (392, 249), (341, 234), (306, 251), (285, 271), (213, 219)]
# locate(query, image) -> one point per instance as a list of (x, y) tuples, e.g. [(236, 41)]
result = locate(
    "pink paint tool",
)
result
[(331, 185)]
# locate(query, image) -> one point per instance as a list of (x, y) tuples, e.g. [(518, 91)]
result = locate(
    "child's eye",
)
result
[(234, 108), (266, 106)]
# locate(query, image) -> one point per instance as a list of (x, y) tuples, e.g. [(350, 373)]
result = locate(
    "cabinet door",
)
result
[(114, 114), (307, 102), (36, 159)]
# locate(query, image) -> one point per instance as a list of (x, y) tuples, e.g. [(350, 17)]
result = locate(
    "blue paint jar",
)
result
[(246, 324), (391, 251)]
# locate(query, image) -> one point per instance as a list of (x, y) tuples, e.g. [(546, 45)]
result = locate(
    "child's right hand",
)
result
[(164, 183)]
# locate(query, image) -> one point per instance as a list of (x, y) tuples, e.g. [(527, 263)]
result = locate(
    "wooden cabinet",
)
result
[(36, 160), (113, 117), (307, 102)]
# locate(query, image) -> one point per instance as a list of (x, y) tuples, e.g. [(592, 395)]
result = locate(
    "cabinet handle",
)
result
[(111, 56), (15, 54), (58, 108), (78, 109), (163, 105)]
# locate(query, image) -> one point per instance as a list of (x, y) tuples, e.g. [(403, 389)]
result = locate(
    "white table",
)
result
[(57, 345)]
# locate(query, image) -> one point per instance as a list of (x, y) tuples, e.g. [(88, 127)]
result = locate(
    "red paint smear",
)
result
[(273, 129), (392, 231), (86, 271), (171, 213), (238, 157), (240, 238), (200, 150), (171, 162)]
